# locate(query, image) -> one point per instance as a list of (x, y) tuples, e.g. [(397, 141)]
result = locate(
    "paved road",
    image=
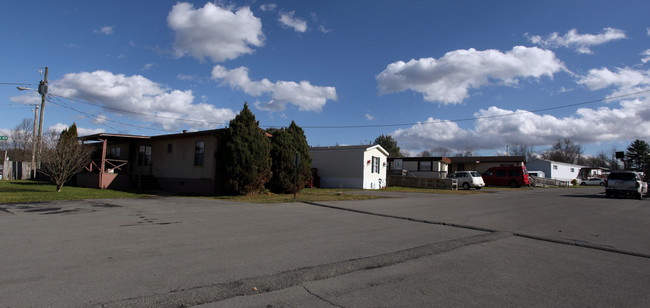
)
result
[(507, 248)]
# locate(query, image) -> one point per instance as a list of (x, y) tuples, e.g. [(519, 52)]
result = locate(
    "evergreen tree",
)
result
[(637, 155), (285, 143), (281, 161), (246, 156), (69, 133), (302, 147), (389, 144)]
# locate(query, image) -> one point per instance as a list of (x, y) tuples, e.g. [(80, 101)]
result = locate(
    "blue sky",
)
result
[(459, 75)]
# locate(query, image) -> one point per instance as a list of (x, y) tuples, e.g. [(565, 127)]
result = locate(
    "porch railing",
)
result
[(409, 181), (544, 182), (111, 164)]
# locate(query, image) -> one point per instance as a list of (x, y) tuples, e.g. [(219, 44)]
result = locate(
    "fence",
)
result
[(417, 182), (15, 170), (544, 182)]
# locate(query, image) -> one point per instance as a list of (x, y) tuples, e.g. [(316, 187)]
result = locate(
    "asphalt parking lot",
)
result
[(508, 247)]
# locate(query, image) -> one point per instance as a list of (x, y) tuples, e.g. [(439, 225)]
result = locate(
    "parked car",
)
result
[(625, 183), (593, 181), (468, 179), (513, 176)]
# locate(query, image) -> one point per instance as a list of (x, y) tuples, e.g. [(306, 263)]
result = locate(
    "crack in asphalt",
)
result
[(582, 244), (404, 218), (322, 298), (255, 285)]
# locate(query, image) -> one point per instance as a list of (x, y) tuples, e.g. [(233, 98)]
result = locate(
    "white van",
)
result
[(468, 179)]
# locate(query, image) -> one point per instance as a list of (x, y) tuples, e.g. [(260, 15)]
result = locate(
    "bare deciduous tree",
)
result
[(21, 141), (467, 152), (425, 153), (598, 161), (564, 151), (442, 151), (520, 149), (64, 160), (612, 161)]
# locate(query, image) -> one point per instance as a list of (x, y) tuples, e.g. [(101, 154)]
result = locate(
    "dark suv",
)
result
[(513, 176)]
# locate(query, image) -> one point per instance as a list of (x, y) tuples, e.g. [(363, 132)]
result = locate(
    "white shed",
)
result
[(555, 170), (352, 166)]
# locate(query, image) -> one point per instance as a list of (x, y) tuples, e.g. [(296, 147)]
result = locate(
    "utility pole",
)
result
[(42, 90), (34, 142)]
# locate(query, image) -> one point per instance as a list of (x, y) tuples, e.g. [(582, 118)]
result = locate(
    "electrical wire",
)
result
[(487, 117), (367, 125), (17, 84), (138, 113), (64, 105)]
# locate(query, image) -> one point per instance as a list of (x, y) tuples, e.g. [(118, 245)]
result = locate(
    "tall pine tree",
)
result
[(302, 147), (389, 144), (281, 161), (286, 142), (637, 155), (246, 156)]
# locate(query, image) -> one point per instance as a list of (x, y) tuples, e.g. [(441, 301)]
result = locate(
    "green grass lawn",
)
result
[(21, 191), (333, 194), (305, 195), (435, 191)]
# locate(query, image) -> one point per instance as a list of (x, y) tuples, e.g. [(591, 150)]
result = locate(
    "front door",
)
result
[(144, 163)]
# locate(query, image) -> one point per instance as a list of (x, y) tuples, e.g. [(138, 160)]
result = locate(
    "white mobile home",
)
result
[(356, 166), (555, 170)]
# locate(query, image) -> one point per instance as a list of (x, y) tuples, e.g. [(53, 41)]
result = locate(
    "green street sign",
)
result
[(3, 137)]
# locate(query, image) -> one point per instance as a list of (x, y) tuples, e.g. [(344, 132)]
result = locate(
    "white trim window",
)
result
[(375, 165)]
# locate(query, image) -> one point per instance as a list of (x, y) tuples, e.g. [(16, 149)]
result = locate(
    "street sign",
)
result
[(3, 137)]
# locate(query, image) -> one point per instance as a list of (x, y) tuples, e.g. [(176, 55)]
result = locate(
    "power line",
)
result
[(17, 84), (64, 105), (138, 113), (367, 125), (486, 117)]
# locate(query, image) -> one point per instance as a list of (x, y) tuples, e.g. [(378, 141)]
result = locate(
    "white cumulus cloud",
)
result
[(627, 78), (288, 20), (147, 66), (581, 43), (304, 95), (108, 30), (214, 32), (30, 98), (119, 94), (447, 80), (81, 131), (495, 127), (268, 7), (646, 56)]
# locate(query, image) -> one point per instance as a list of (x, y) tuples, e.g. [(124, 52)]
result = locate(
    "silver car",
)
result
[(593, 181), (468, 179)]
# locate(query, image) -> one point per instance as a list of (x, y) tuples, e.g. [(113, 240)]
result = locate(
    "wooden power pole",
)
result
[(34, 142), (42, 90)]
